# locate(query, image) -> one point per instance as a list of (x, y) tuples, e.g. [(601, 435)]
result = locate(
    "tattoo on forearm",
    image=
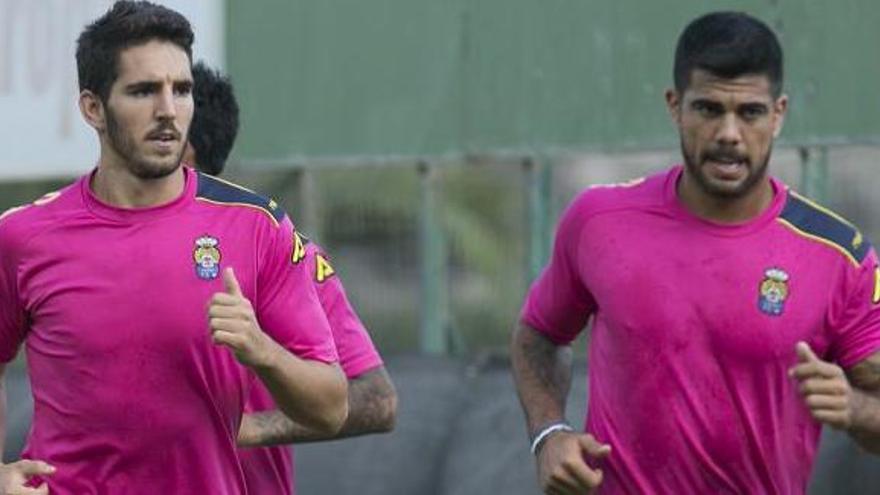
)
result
[(543, 376), (267, 426), (865, 379), (372, 404), (551, 372), (866, 375)]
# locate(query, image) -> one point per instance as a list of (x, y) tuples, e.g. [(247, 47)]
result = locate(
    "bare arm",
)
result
[(865, 380), (848, 401), (311, 392), (372, 406), (308, 391), (542, 374)]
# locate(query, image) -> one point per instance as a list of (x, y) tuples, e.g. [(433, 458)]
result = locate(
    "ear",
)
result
[(92, 109), (673, 105), (780, 107)]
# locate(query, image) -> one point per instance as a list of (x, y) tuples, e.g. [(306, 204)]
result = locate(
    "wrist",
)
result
[(542, 435), (269, 357)]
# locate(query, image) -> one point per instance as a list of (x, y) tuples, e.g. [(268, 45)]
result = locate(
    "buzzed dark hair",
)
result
[(215, 120), (126, 24), (728, 45)]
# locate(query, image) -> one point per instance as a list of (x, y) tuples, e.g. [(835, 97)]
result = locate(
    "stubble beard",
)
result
[(752, 180), (126, 147)]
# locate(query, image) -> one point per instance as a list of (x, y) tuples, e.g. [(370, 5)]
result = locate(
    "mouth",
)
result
[(163, 136), (727, 167), (165, 139)]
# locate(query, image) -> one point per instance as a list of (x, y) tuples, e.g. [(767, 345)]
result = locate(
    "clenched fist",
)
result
[(562, 468), (234, 325), (824, 388)]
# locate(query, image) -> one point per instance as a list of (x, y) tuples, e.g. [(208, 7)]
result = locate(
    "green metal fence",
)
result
[(438, 255)]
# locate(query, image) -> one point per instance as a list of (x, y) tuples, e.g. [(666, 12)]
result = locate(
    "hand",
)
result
[(234, 324), (562, 469), (15, 475), (824, 387)]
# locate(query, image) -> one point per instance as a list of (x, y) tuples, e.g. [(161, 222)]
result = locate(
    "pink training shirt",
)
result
[(130, 393), (270, 469), (695, 326)]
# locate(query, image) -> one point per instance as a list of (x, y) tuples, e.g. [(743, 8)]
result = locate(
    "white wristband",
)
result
[(543, 434)]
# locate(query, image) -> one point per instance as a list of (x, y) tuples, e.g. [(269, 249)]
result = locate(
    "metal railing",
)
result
[(436, 333)]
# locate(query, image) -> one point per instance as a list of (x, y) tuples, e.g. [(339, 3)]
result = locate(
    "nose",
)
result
[(165, 108), (729, 132)]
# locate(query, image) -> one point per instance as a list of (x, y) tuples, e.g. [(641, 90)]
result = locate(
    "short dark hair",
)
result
[(728, 45), (126, 24), (215, 120)]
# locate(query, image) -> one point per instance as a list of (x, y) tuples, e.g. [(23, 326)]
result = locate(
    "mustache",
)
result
[(163, 129), (725, 156)]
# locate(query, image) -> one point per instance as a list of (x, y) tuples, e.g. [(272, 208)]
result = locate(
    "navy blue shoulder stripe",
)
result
[(821, 224), (219, 191)]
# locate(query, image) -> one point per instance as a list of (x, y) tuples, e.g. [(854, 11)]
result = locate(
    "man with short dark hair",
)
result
[(372, 400), (142, 341), (731, 316)]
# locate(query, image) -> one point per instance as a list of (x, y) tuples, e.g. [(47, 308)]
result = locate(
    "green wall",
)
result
[(367, 80)]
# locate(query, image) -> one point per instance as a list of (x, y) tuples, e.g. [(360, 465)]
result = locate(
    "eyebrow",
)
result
[(142, 85), (753, 105), (714, 104), (139, 85), (707, 102)]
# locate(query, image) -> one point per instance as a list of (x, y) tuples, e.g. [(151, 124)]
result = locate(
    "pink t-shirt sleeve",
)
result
[(855, 318), (558, 304), (357, 354), (289, 309), (12, 315)]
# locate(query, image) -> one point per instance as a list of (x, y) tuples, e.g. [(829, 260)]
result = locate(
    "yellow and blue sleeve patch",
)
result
[(218, 191), (815, 222)]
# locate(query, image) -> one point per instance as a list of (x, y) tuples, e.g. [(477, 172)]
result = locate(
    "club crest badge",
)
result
[(773, 292), (207, 257)]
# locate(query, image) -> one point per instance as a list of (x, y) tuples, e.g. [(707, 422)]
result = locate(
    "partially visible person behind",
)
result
[(215, 121), (732, 317), (151, 297), (372, 400)]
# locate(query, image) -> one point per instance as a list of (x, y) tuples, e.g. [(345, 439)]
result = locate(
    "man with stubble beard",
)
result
[(731, 317), (142, 342)]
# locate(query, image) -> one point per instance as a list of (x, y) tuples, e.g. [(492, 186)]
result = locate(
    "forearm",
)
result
[(864, 385), (865, 428), (372, 406), (312, 393), (542, 373)]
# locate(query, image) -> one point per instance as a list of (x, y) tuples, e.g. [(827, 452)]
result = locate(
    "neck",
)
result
[(115, 185), (722, 209)]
